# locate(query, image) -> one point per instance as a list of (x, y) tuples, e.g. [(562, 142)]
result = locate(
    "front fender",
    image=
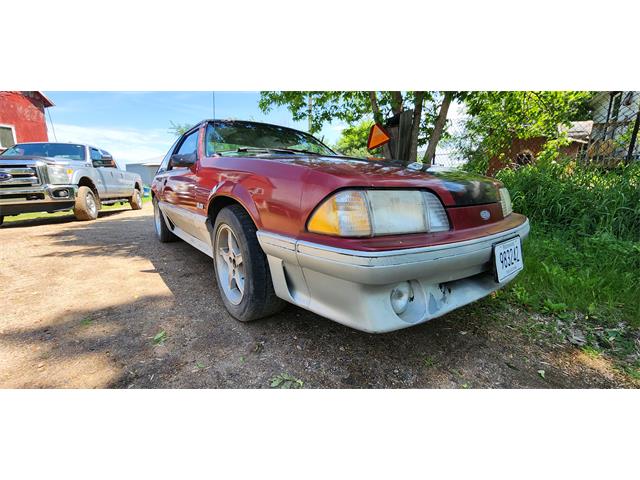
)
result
[(81, 172), (239, 193)]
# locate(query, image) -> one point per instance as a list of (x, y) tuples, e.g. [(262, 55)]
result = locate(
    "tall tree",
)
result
[(354, 107), (496, 118), (353, 141), (178, 129), (438, 128)]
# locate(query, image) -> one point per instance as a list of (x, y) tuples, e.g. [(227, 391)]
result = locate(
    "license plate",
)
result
[(508, 258)]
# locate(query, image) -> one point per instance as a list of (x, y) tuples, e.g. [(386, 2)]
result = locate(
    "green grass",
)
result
[(63, 213), (582, 257), (596, 275)]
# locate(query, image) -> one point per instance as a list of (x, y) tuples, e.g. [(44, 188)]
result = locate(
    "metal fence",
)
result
[(611, 136)]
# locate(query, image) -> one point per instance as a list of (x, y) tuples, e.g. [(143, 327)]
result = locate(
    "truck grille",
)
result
[(20, 176)]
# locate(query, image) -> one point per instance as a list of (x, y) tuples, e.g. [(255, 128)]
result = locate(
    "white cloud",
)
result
[(127, 145)]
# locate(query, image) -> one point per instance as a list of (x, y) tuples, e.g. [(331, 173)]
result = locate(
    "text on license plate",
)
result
[(508, 258)]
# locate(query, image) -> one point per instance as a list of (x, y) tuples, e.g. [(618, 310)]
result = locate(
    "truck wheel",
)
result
[(136, 200), (164, 234), (86, 207), (241, 267)]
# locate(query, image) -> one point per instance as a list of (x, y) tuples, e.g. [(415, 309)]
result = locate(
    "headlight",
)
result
[(505, 201), (59, 174), (366, 213)]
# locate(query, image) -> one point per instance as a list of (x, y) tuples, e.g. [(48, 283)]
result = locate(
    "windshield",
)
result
[(229, 136), (52, 150)]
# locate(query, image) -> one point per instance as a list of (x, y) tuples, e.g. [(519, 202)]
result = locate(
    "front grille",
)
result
[(21, 176)]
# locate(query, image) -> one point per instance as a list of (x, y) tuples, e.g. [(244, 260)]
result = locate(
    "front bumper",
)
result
[(41, 198), (354, 287)]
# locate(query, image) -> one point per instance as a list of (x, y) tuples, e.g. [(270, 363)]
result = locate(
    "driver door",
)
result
[(179, 186), (107, 183)]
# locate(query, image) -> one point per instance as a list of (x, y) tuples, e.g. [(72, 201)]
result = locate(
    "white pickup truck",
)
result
[(48, 177)]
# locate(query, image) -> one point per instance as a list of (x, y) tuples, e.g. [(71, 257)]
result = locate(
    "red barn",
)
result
[(22, 118)]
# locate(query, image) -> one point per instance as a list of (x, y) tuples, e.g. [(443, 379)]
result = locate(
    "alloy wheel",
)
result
[(230, 265)]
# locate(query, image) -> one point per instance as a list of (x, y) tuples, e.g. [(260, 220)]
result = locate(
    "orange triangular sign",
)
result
[(377, 136)]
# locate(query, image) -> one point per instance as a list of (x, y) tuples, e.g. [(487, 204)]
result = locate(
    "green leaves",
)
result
[(349, 107), (160, 338), (356, 109), (496, 118), (353, 140), (284, 380)]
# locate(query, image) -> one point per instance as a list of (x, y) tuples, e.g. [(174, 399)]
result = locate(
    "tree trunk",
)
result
[(396, 102), (415, 126), (377, 116), (438, 128)]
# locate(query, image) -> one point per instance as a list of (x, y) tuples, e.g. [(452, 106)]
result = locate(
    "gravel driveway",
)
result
[(83, 301)]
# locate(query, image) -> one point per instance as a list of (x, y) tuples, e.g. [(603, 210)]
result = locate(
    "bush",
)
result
[(578, 199)]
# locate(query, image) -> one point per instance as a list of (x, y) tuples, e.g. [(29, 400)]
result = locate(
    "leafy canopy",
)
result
[(496, 118), (353, 141), (356, 107)]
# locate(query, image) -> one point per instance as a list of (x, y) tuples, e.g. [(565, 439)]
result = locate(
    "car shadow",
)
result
[(53, 220)]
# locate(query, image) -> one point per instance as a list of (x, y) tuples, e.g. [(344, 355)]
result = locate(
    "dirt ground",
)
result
[(82, 302)]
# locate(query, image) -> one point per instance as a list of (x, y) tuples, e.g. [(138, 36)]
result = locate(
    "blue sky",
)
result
[(134, 126)]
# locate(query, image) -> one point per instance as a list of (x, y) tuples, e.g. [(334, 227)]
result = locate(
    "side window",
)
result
[(7, 137), (189, 145), (95, 155)]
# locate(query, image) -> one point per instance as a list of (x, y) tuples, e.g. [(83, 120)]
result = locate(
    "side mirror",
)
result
[(185, 160)]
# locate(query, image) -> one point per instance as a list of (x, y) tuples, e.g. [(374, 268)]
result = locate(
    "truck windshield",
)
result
[(232, 136), (51, 150)]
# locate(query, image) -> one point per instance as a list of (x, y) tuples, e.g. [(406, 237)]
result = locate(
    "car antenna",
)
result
[(213, 104)]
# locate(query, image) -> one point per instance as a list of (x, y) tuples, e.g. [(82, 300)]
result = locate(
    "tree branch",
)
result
[(377, 116), (438, 128), (396, 102), (415, 126)]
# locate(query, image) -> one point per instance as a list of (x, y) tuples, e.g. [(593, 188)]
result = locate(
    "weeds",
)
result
[(582, 200), (160, 337), (284, 380), (582, 258)]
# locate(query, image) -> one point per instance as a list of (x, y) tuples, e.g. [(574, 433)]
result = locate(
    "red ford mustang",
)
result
[(374, 245)]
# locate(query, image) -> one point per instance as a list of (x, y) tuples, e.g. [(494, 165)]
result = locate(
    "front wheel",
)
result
[(241, 267), (136, 200), (86, 206)]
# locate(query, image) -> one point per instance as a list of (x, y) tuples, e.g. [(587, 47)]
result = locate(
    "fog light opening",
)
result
[(63, 193), (401, 296)]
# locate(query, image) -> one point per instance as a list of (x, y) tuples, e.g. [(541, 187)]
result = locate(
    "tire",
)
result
[(245, 286), (136, 200), (86, 206), (162, 231)]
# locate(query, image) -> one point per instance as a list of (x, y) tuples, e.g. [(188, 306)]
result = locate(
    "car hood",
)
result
[(32, 158), (455, 187)]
